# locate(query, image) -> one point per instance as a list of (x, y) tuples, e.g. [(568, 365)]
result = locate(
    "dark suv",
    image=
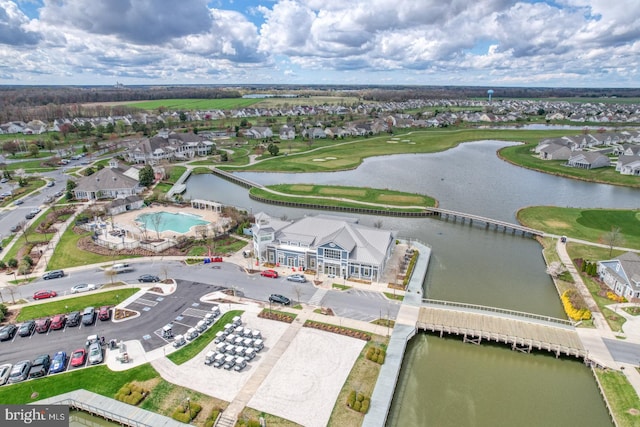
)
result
[(73, 318), (40, 366), (27, 328), (279, 299), (53, 274)]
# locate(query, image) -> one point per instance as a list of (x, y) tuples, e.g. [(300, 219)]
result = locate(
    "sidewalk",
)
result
[(593, 339)]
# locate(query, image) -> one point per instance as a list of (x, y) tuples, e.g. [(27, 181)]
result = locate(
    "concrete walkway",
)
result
[(593, 339)]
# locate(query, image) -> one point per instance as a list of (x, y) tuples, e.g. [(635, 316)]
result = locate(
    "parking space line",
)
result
[(183, 324), (146, 302), (198, 313)]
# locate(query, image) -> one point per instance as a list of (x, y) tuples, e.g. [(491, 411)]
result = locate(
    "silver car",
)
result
[(95, 353), (5, 370)]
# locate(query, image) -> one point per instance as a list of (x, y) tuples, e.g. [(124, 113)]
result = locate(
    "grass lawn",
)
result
[(68, 305), (369, 195), (593, 225), (67, 254), (331, 155), (622, 397), (393, 296), (31, 187), (32, 237), (522, 155), (195, 104), (190, 350), (592, 253), (225, 245), (341, 287), (175, 173), (362, 378), (98, 379)]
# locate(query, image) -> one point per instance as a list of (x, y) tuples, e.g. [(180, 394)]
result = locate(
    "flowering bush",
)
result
[(575, 306)]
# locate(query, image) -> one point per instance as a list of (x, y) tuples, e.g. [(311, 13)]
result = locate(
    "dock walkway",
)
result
[(110, 409)]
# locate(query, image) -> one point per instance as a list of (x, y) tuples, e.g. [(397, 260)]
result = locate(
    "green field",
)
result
[(344, 196), (521, 155), (331, 155), (195, 104), (592, 225)]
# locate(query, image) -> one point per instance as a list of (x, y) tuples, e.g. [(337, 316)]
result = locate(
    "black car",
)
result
[(53, 274), (7, 332), (279, 299), (89, 316), (27, 328), (73, 318), (40, 366), (30, 215), (148, 278)]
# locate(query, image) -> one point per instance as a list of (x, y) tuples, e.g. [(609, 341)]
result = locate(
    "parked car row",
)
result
[(43, 325), (44, 364)]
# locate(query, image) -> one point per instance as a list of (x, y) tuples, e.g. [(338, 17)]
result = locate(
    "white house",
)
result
[(622, 274)]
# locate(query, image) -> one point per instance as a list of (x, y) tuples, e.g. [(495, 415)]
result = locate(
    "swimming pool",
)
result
[(166, 221)]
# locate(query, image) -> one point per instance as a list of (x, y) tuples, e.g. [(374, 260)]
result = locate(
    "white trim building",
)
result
[(622, 275), (329, 245)]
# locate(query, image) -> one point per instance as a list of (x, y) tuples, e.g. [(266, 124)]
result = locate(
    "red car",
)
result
[(42, 325), (78, 357), (104, 313), (58, 321), (269, 273), (43, 294)]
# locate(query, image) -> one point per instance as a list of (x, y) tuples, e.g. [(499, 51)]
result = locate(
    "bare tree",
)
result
[(156, 222), (378, 223), (165, 270), (613, 238), (203, 231), (143, 231), (298, 290), (556, 268), (110, 272)]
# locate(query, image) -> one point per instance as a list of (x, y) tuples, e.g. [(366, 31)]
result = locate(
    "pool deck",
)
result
[(127, 220)]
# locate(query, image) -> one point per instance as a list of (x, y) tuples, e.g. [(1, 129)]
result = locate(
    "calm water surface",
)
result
[(445, 382)]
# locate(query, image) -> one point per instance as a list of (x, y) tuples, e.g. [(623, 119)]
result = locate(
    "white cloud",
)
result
[(564, 42)]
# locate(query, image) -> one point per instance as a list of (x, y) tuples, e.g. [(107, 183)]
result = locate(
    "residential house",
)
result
[(169, 147), (628, 165), (287, 133), (588, 160), (554, 151), (622, 275), (330, 245), (108, 183)]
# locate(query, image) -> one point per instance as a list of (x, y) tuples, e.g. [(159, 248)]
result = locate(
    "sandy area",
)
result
[(303, 384), (127, 220)]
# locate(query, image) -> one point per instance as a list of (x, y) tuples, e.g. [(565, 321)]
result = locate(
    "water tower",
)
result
[(490, 93)]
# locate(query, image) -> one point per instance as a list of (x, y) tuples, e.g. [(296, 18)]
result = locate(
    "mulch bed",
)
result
[(338, 330), (272, 315)]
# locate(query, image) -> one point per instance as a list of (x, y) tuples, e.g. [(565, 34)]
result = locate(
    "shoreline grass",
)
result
[(593, 225)]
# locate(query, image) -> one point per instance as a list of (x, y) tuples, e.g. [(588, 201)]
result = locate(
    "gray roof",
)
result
[(106, 179), (366, 244)]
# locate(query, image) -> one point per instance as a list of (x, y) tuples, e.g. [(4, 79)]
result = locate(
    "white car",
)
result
[(83, 287), (5, 370)]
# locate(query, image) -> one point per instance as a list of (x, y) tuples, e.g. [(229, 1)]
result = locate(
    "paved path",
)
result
[(593, 339)]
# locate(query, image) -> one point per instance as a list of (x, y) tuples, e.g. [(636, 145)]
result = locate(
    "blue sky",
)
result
[(576, 43)]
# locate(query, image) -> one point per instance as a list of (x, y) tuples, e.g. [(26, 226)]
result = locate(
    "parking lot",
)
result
[(181, 307)]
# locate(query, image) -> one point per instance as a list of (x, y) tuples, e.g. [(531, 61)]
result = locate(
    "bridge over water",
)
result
[(445, 214), (523, 331)]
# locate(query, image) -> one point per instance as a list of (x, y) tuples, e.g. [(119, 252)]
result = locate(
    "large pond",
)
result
[(475, 385)]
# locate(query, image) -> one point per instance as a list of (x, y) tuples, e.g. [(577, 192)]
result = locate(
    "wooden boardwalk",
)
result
[(235, 178), (505, 226), (110, 409), (522, 331)]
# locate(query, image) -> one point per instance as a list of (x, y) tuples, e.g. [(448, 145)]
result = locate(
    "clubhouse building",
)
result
[(330, 245)]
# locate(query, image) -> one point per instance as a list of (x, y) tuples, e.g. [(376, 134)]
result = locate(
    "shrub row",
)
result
[(213, 416), (131, 394), (185, 413), (574, 305), (358, 402), (617, 298), (354, 333), (376, 354), (412, 264)]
